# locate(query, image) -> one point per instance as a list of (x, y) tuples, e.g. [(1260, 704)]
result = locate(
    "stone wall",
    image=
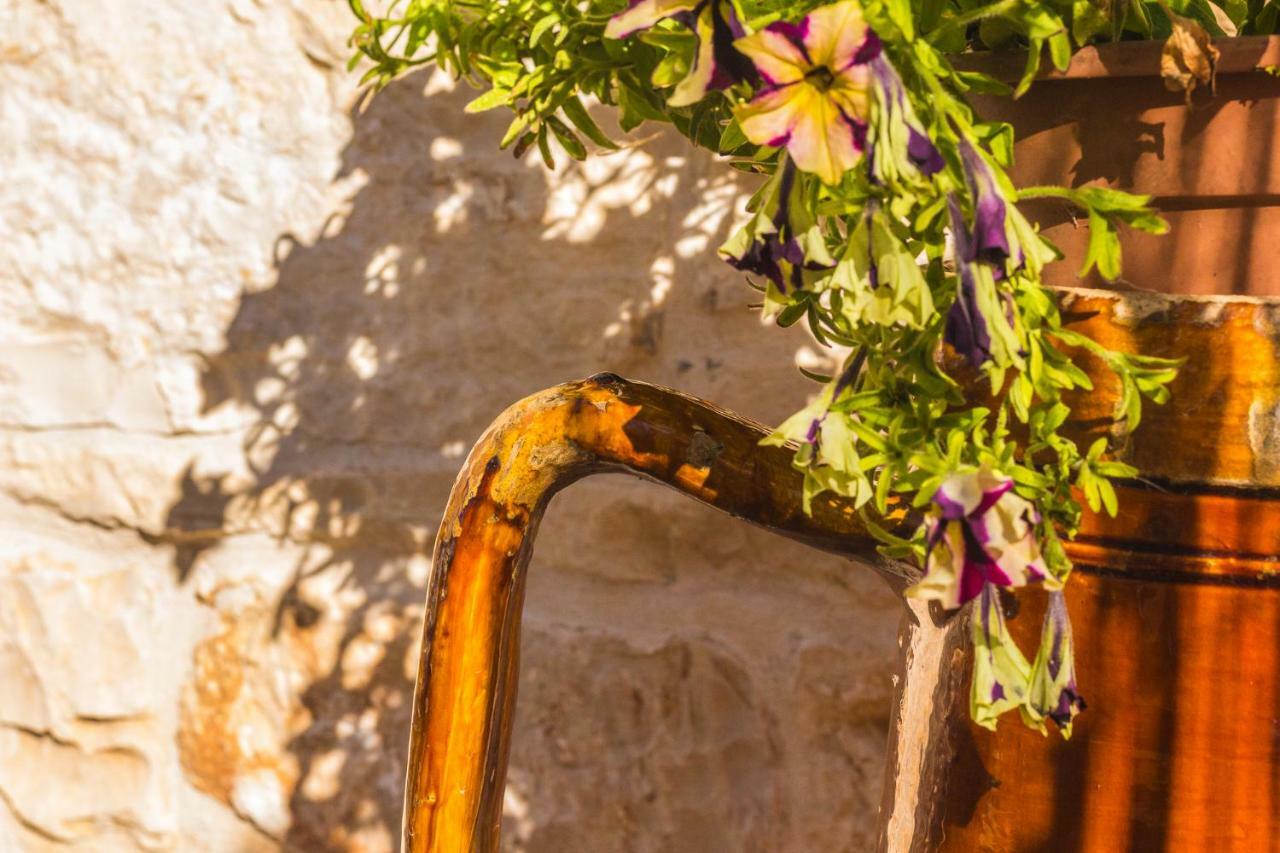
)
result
[(249, 332)]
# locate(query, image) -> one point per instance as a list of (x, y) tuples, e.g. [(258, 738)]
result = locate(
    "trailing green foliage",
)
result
[(868, 257)]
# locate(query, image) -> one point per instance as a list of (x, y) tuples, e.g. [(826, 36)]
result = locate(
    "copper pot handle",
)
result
[(468, 672)]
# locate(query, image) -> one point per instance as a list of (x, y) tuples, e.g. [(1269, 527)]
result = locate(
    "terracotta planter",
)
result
[(1176, 603), (1214, 169)]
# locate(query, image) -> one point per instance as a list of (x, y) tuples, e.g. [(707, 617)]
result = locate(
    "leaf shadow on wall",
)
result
[(384, 348)]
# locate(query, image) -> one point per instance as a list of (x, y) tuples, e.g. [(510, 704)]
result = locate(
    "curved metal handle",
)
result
[(469, 667)]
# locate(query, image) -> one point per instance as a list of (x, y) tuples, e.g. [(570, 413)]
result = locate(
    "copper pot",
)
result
[(1176, 603)]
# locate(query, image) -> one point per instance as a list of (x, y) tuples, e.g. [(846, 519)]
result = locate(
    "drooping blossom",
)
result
[(979, 533), (1053, 693), (823, 437), (1000, 672), (966, 329), (992, 243), (900, 145), (843, 383), (717, 64), (815, 97), (771, 244)]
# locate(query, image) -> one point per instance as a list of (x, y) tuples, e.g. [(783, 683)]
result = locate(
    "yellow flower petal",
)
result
[(694, 86), (941, 582), (852, 92), (834, 33), (770, 116), (778, 58), (822, 140)]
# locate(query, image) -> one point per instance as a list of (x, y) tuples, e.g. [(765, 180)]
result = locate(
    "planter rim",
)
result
[(1154, 299), (1242, 54)]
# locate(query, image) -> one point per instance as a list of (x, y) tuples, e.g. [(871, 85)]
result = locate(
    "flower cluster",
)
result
[(840, 233), (981, 536)]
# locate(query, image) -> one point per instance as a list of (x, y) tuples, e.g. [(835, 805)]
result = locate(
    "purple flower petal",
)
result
[(731, 66), (778, 256), (923, 153), (966, 328), (990, 234), (871, 49), (794, 33)]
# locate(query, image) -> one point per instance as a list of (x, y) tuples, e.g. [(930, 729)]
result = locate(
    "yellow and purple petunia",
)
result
[(815, 97), (717, 64), (979, 533), (1053, 693), (966, 329), (899, 146), (771, 244), (992, 242)]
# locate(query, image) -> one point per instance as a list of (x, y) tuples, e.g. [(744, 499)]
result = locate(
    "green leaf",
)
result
[(524, 144), (732, 138), (495, 97), (883, 482), (793, 312), (544, 24), (637, 109), (1088, 22), (975, 81), (544, 148), (1060, 50), (517, 126), (567, 138), (1104, 248), (901, 15), (577, 114), (1108, 495)]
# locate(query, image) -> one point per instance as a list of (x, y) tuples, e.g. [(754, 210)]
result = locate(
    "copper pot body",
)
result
[(1176, 604), (1213, 168)]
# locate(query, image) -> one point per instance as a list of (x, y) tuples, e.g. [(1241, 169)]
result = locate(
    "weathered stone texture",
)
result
[(247, 334)]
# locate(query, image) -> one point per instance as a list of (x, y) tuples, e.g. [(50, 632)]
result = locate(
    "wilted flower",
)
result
[(815, 98), (717, 64), (772, 243), (980, 533), (901, 143), (1189, 56), (1053, 693), (966, 330), (1000, 672), (991, 239)]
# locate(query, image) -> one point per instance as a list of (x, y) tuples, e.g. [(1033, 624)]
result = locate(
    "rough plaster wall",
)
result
[(246, 335)]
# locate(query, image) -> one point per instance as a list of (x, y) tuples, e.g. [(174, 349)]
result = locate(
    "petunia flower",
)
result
[(900, 145), (1001, 674), (717, 64), (827, 451), (1053, 693), (966, 329), (815, 97), (776, 243), (878, 275), (1002, 237), (991, 243), (979, 533)]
